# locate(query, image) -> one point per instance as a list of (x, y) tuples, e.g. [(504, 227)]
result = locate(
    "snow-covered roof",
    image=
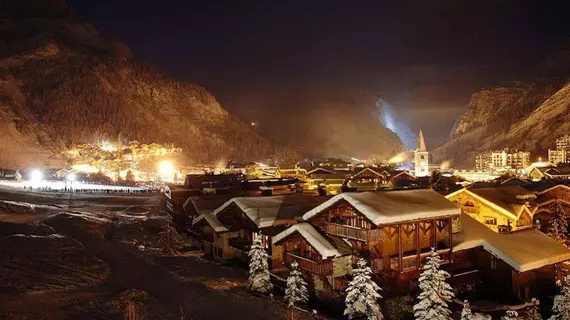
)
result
[(386, 207), (212, 220), (523, 250), (312, 236), (505, 199), (205, 203), (272, 211)]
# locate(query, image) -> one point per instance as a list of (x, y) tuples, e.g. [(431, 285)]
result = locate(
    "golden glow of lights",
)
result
[(166, 170), (399, 158), (36, 176), (444, 165), (84, 168)]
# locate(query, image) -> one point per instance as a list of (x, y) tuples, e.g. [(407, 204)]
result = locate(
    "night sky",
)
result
[(277, 61)]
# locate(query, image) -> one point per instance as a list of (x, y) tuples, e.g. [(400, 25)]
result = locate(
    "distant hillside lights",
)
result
[(130, 161)]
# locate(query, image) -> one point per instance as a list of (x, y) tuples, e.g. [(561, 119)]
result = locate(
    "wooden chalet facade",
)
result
[(230, 229), (330, 179), (370, 179), (393, 230), (549, 192), (502, 209), (498, 253), (550, 172)]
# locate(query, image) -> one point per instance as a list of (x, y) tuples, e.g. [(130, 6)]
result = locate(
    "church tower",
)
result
[(421, 157)]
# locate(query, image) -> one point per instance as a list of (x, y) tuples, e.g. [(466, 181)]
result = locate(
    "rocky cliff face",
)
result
[(528, 116), (61, 83), (501, 107)]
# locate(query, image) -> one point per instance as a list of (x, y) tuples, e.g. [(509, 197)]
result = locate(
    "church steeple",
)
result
[(421, 157), (421, 142)]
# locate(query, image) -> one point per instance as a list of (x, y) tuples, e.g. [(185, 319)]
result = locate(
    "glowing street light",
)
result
[(36, 176), (166, 170), (70, 177)]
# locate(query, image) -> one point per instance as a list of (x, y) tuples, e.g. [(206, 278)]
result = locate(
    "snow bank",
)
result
[(51, 236)]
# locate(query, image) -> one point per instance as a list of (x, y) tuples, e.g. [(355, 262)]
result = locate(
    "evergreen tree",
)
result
[(296, 291), (259, 279), (558, 229), (437, 182), (130, 177), (510, 315), (362, 294), (436, 293), (169, 239), (534, 312), (561, 306), (466, 311)]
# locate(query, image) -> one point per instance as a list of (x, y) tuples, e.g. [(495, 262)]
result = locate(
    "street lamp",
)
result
[(165, 170), (70, 177)]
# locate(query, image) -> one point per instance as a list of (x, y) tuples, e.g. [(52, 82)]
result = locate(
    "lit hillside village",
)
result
[(396, 239)]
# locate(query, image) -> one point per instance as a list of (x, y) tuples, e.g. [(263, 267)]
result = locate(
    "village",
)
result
[(314, 234), (502, 240)]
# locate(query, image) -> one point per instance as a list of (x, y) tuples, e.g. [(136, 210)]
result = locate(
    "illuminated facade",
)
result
[(421, 157), (563, 143), (562, 152)]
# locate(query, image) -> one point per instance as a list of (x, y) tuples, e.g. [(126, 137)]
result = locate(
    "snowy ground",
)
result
[(90, 245), (61, 185)]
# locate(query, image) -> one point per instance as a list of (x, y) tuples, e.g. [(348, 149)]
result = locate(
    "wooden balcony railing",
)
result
[(409, 261), (347, 231), (321, 268)]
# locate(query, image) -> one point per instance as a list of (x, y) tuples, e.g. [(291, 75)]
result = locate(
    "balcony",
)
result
[(323, 268), (242, 244), (409, 261), (347, 231)]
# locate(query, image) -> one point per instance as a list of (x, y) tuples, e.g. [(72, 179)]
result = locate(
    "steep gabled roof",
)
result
[(210, 219), (205, 203), (326, 171), (369, 170), (505, 199), (323, 246), (523, 250), (272, 211), (387, 207)]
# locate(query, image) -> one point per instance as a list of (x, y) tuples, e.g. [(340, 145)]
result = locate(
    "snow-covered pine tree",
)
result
[(511, 315), (259, 279), (362, 294), (558, 229), (561, 306), (169, 239), (296, 291), (436, 292), (534, 312), (466, 311)]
